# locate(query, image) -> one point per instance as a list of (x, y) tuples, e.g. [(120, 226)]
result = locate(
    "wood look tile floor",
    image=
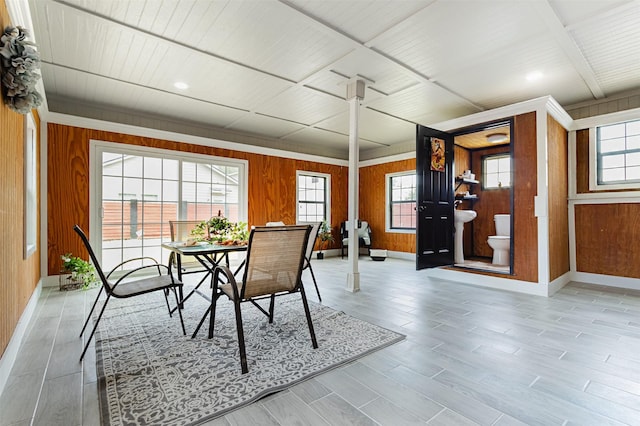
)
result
[(471, 356)]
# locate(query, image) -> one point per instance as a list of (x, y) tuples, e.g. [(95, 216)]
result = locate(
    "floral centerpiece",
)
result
[(19, 63), (220, 230)]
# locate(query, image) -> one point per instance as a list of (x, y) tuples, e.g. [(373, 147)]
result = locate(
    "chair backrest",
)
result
[(181, 229), (275, 259), (344, 231), (94, 260), (313, 235), (279, 223), (364, 233)]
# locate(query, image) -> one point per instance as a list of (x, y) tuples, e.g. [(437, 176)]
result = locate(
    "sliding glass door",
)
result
[(139, 190)]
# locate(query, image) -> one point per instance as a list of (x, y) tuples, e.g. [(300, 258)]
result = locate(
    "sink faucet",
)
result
[(456, 203)]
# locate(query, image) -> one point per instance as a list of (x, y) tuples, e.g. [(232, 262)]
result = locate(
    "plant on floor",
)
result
[(79, 269), (325, 236)]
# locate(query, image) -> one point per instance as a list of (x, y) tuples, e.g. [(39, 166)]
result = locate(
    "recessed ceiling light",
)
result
[(181, 85), (497, 137), (535, 75)]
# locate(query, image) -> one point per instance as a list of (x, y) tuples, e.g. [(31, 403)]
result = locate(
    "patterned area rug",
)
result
[(149, 373)]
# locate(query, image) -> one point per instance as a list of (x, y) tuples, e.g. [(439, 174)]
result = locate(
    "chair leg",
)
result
[(95, 302), (313, 277), (95, 326), (212, 317), (314, 342), (211, 311), (165, 292), (272, 305), (243, 352), (175, 293), (204, 317)]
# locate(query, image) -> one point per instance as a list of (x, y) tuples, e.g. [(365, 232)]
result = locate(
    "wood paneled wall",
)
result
[(558, 149), (462, 162), (272, 179), (607, 240), (525, 181), (582, 161), (18, 276), (372, 206), (490, 202), (606, 234)]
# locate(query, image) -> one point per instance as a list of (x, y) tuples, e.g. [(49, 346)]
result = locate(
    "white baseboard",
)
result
[(606, 280), (401, 255), (50, 281), (11, 352), (558, 283), (395, 254), (507, 284)]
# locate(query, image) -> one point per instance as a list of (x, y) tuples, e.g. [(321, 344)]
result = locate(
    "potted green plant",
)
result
[(76, 273), (325, 236)]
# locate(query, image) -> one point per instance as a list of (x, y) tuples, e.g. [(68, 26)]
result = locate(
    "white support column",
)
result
[(355, 93)]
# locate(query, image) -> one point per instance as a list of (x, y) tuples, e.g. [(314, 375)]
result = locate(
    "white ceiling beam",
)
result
[(252, 110), (569, 46), (403, 68), (605, 12)]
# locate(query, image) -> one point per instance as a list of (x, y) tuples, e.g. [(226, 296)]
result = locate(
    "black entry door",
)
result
[(435, 200)]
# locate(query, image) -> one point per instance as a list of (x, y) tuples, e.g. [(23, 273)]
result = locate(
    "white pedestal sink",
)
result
[(460, 217)]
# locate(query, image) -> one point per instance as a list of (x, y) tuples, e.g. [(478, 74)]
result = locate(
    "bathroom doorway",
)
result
[(483, 168)]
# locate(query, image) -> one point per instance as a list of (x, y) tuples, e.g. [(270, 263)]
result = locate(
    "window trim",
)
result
[(387, 202), (593, 161), (483, 161), (327, 195), (96, 147), (30, 186)]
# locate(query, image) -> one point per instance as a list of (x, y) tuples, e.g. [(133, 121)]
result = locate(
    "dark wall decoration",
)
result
[(19, 62)]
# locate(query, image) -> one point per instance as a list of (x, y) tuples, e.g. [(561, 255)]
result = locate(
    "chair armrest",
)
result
[(231, 280), (132, 260), (156, 266)]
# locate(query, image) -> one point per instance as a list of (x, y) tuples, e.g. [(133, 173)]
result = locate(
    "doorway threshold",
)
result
[(483, 266)]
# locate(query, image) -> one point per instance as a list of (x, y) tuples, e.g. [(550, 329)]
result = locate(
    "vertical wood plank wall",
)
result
[(558, 149), (607, 239), (525, 180), (607, 234), (462, 162), (582, 161), (18, 277), (372, 205), (272, 186)]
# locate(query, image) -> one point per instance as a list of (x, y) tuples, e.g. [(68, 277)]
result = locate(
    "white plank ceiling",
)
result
[(276, 71)]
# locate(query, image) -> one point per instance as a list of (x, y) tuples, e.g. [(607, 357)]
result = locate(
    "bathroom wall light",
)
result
[(497, 137)]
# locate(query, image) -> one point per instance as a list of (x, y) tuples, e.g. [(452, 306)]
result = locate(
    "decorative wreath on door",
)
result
[(19, 63)]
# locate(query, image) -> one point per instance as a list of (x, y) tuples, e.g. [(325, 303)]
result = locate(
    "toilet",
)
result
[(501, 242)]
